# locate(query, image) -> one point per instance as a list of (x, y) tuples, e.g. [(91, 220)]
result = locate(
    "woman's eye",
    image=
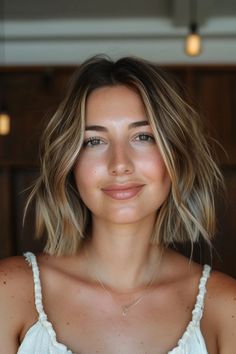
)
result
[(91, 142), (145, 137)]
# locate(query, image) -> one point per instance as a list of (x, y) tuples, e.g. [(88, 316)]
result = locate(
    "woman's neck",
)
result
[(122, 255)]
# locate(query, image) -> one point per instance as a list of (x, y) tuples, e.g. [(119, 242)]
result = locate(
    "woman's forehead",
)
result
[(114, 101)]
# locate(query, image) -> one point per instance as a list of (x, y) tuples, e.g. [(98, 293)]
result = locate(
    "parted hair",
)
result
[(188, 212)]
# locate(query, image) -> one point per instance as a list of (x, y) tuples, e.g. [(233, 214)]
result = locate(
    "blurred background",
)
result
[(43, 42)]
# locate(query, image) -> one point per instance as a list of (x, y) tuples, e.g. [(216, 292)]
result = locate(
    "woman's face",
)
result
[(120, 174)]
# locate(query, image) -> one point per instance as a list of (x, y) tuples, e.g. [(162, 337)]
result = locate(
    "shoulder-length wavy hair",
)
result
[(189, 210)]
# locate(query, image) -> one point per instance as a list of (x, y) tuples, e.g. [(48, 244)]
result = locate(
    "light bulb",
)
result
[(4, 123), (193, 44)]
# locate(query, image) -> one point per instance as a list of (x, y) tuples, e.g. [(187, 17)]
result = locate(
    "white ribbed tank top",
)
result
[(41, 337)]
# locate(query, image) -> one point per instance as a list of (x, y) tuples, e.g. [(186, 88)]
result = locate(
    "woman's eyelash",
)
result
[(91, 141), (144, 135)]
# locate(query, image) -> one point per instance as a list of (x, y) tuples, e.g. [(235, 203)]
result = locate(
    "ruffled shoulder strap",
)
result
[(199, 306), (197, 312), (31, 259)]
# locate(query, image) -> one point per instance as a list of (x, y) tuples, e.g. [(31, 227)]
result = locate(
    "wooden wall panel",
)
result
[(7, 244), (31, 98), (215, 91)]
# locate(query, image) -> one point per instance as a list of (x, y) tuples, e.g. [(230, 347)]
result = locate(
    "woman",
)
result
[(125, 172)]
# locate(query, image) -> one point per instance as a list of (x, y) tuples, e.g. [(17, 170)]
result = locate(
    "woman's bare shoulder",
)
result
[(16, 300), (221, 291), (221, 283), (221, 306), (13, 272), (15, 283)]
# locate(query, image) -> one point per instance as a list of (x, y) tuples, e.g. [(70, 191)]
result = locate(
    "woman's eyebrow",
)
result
[(132, 125)]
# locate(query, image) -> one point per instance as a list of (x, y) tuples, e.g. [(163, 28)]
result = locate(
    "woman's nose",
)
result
[(120, 161)]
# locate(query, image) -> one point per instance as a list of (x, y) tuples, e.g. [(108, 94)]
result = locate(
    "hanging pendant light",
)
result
[(5, 125), (193, 44)]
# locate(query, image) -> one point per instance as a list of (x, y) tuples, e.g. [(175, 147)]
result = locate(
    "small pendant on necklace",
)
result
[(124, 310)]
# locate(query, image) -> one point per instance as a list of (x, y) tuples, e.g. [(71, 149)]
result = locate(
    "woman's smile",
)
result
[(123, 191)]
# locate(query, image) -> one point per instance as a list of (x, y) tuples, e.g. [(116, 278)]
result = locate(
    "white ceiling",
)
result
[(68, 31), (73, 9)]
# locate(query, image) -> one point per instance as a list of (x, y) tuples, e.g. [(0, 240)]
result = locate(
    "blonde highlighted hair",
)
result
[(189, 210)]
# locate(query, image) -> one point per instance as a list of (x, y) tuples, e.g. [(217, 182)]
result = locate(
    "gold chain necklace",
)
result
[(125, 308)]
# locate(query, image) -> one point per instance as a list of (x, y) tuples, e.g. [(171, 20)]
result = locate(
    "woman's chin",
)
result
[(131, 217)]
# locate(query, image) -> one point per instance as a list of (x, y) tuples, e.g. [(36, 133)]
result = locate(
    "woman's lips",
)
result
[(122, 192)]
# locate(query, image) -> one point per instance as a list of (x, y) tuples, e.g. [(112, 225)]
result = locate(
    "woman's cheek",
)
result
[(87, 173)]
